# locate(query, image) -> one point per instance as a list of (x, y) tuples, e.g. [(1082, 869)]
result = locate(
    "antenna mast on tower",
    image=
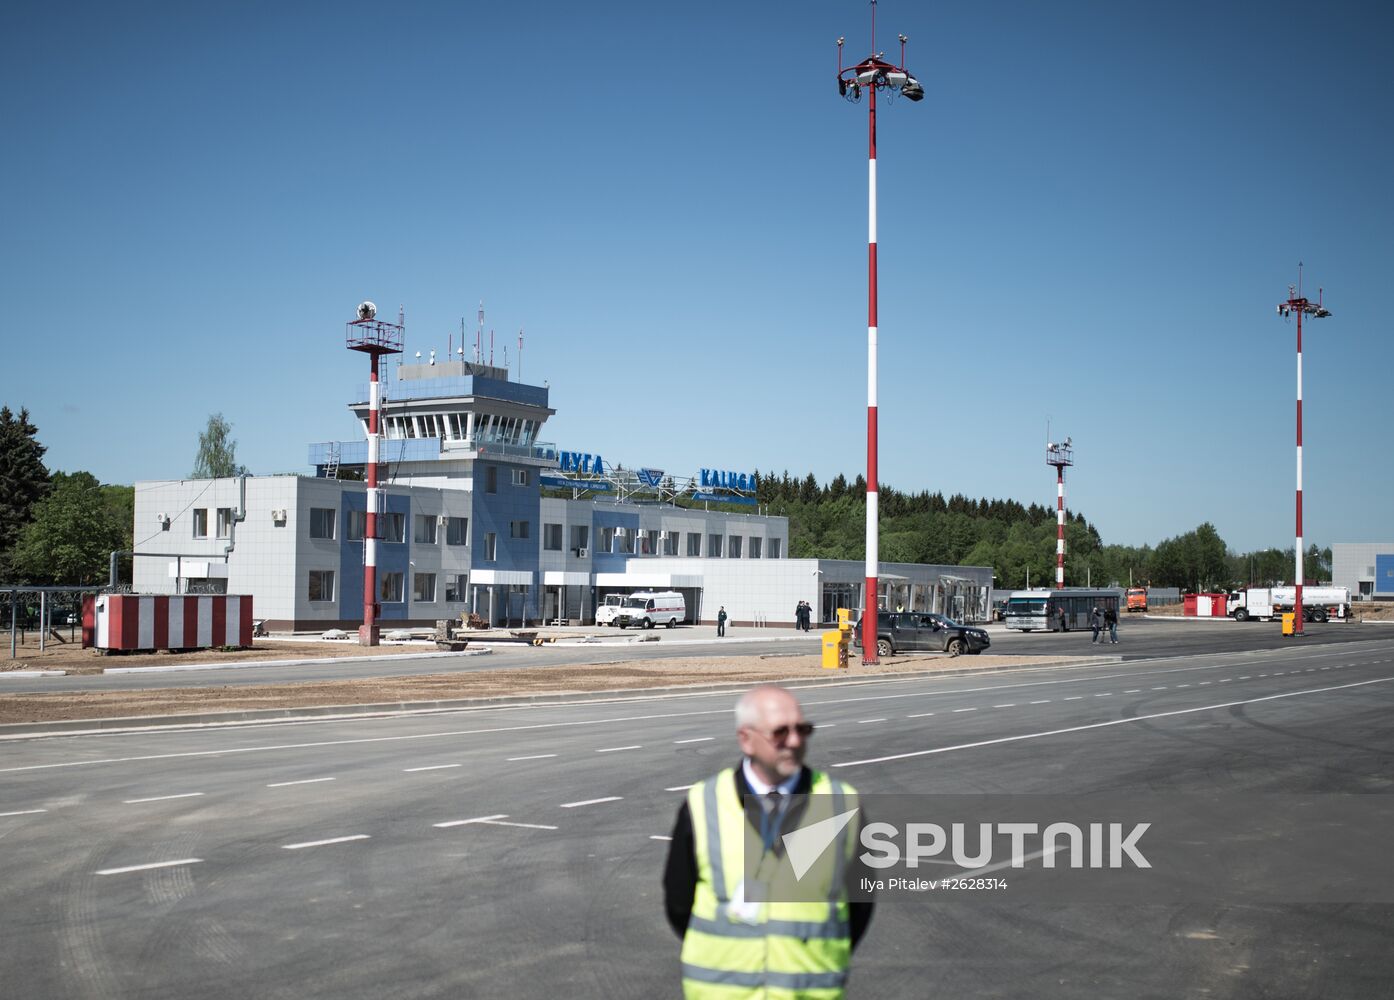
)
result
[(1060, 455)]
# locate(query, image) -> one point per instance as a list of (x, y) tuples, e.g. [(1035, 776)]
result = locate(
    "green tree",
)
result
[(24, 481), (217, 451), (72, 535)]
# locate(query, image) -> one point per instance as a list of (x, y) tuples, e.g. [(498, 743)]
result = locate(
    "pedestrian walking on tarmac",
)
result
[(721, 622), (736, 940), (1111, 620), (1096, 622)]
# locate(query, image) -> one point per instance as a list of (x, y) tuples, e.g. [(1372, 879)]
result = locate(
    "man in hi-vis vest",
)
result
[(759, 867)]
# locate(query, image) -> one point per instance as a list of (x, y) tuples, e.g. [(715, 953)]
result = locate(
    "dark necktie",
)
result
[(769, 822)]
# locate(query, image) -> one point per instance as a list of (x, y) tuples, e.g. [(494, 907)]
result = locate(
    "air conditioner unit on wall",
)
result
[(278, 515), (582, 552), (443, 520), (163, 519)]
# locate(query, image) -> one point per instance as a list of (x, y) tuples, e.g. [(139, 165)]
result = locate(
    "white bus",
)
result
[(1058, 610)]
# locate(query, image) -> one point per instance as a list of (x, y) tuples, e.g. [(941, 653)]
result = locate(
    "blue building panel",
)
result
[(500, 511), (392, 557), (611, 562), (1384, 574)]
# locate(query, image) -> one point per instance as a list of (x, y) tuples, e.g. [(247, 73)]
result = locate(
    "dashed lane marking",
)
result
[(1105, 694), (1010, 704), (658, 836), (590, 802), (303, 781), (536, 756), (957, 710), (428, 767), (464, 822), (24, 812), (699, 739), (863, 722), (162, 798), (920, 715), (153, 864), (678, 788), (618, 749), (325, 843), (1043, 701)]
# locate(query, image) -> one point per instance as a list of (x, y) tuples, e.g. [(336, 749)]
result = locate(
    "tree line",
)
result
[(1018, 541)]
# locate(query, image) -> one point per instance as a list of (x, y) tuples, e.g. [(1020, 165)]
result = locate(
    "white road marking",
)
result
[(1246, 677), (325, 843), (618, 749), (1183, 685), (1226, 680), (1281, 673), (700, 739), (1204, 683), (1106, 694), (920, 715), (590, 802), (306, 781), (1111, 722), (863, 722), (428, 767), (1132, 691), (1010, 704), (24, 812), (1074, 697), (525, 826), (678, 788), (536, 756), (957, 710), (477, 819), (153, 864), (658, 836), (163, 798), (1043, 701), (1162, 688)]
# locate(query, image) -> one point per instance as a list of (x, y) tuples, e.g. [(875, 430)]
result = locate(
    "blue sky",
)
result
[(1088, 220)]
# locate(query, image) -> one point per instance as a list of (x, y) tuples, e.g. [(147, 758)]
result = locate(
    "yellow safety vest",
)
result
[(738, 949)]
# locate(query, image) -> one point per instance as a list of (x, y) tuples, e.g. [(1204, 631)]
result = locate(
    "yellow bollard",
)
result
[(1289, 623), (835, 649)]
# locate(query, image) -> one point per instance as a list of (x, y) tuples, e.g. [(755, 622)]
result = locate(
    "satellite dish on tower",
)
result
[(367, 310)]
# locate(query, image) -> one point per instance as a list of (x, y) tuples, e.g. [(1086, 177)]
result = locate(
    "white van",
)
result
[(606, 612), (647, 608)]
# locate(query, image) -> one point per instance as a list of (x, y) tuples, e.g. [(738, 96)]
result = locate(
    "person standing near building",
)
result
[(734, 943), (1111, 620), (1096, 622), (721, 622)]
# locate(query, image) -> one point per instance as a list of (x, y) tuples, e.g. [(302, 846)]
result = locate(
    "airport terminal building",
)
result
[(1366, 568), (477, 515)]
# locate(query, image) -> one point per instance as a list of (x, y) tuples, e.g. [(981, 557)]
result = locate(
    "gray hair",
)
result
[(748, 712)]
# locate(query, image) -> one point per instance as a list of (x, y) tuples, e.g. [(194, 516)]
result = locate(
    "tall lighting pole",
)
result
[(373, 337), (1061, 456), (873, 74), (1297, 304)]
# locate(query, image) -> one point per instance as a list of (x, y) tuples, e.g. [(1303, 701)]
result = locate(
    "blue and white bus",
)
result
[(1058, 610)]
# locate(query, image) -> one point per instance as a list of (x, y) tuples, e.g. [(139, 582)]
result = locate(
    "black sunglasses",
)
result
[(781, 733)]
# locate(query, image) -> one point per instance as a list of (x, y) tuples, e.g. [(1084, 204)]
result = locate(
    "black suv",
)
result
[(915, 630)]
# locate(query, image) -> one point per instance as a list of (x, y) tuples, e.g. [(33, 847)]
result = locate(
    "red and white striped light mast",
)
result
[(1297, 304), (872, 74), (374, 337), (1060, 456)]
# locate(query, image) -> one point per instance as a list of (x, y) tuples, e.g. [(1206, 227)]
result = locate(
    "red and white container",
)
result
[(139, 621)]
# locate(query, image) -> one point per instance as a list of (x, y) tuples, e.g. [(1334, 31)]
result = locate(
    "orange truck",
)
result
[(1137, 598)]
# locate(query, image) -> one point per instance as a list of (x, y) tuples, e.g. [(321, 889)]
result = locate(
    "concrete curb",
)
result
[(328, 713)]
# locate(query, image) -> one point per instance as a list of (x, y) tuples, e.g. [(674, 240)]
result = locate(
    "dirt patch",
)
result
[(476, 684)]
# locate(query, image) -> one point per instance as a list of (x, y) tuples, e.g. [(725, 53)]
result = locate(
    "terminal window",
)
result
[(457, 531), (392, 527), (694, 543), (491, 479), (519, 529), (201, 522), (491, 545), (670, 543), (423, 588), (322, 522), (224, 522), (607, 539), (321, 585), (733, 546), (390, 588), (714, 546), (520, 477), (455, 585), (580, 537), (424, 530), (357, 525), (551, 537), (755, 547), (774, 548)]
